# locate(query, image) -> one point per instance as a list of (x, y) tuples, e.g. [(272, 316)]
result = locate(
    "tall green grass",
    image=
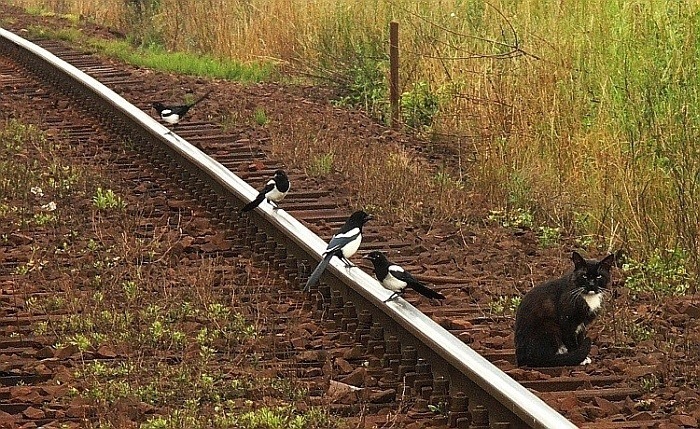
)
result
[(584, 113)]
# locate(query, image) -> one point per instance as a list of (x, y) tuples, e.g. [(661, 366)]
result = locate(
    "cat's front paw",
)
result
[(586, 361)]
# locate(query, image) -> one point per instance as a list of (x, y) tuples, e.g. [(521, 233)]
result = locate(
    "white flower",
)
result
[(49, 207), (37, 191), (453, 14)]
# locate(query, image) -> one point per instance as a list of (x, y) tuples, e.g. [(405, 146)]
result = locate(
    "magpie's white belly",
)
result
[(275, 195), (171, 119), (350, 248), (393, 284)]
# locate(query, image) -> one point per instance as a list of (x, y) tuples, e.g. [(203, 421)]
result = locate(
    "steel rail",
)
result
[(466, 370)]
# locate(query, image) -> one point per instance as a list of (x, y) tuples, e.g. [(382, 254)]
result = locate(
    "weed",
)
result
[(107, 200), (82, 341), (419, 105), (504, 305), (22, 270), (321, 165), (130, 289), (640, 332), (363, 77), (444, 181), (518, 218), (585, 241), (649, 383), (41, 219), (548, 236), (260, 117), (440, 408), (664, 273)]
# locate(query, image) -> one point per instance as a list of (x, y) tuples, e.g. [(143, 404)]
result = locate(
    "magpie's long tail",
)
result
[(426, 291), (201, 98), (253, 204), (320, 268)]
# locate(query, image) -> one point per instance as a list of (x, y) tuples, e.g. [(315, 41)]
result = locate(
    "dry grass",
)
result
[(583, 113)]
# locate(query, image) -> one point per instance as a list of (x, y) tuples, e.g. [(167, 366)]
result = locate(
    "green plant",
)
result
[(260, 116), (440, 408), (104, 200), (362, 76), (131, 289), (548, 236), (321, 165), (419, 105), (82, 341), (22, 270), (504, 304), (444, 181), (664, 273), (649, 383), (518, 218), (41, 219), (640, 332)]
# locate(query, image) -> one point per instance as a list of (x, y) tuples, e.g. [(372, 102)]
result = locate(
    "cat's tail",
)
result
[(571, 358)]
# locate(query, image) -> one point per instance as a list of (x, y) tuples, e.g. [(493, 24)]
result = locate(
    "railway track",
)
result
[(421, 352)]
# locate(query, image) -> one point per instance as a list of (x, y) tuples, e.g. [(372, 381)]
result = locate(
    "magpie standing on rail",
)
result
[(173, 114), (396, 279), (343, 244), (274, 191)]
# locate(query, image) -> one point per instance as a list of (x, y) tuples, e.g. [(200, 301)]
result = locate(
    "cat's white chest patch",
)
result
[(593, 300)]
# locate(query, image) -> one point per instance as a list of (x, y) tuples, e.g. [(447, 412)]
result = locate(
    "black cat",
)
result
[(550, 325)]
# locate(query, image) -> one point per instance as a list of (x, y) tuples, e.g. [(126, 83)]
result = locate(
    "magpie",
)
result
[(343, 244), (173, 114), (274, 191), (396, 279)]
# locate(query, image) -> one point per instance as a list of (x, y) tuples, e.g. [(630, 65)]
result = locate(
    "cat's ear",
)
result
[(607, 262), (579, 262)]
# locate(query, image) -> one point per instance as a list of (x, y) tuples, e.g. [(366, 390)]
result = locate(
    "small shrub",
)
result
[(419, 106), (504, 305), (518, 218), (548, 236), (104, 200), (664, 273)]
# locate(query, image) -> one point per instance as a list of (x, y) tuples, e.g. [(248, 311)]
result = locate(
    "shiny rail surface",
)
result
[(465, 370)]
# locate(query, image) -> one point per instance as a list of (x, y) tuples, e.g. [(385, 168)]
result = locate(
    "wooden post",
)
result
[(394, 72)]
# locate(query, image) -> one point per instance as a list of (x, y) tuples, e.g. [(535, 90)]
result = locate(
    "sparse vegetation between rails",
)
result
[(170, 337)]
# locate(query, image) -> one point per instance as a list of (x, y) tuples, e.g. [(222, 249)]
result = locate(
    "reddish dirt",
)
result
[(489, 261)]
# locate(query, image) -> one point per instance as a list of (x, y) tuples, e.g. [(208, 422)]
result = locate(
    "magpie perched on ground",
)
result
[(274, 191), (343, 244), (396, 279), (173, 114)]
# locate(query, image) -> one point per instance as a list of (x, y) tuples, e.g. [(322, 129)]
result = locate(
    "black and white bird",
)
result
[(396, 279), (343, 244), (173, 114), (274, 191)]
